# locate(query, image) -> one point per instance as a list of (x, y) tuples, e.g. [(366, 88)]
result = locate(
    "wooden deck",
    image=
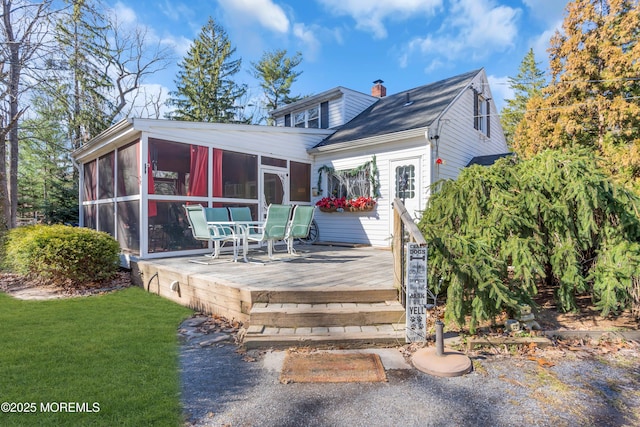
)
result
[(328, 294)]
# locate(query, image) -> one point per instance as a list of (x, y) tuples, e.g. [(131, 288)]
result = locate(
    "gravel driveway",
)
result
[(224, 387)]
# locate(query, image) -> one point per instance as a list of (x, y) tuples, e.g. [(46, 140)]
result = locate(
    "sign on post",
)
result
[(416, 281)]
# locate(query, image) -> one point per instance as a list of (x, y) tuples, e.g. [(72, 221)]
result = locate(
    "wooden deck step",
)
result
[(293, 315), (383, 335), (316, 296)]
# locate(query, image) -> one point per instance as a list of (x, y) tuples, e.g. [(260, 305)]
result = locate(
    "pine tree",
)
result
[(276, 74), (96, 68), (48, 191), (77, 73), (593, 98), (527, 84), (498, 233), (205, 89)]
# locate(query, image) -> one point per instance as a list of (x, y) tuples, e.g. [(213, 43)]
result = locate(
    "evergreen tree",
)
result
[(205, 89), (48, 191), (97, 68), (497, 233), (276, 73), (77, 72), (593, 98), (527, 84), (21, 40)]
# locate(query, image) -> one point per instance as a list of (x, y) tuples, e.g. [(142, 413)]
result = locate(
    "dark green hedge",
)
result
[(497, 233), (62, 253)]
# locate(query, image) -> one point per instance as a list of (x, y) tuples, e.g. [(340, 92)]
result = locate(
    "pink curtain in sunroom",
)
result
[(217, 175), (198, 171)]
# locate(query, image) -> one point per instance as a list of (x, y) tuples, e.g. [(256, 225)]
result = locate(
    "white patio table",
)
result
[(244, 230)]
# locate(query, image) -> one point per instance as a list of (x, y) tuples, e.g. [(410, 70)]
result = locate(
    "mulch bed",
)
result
[(11, 283)]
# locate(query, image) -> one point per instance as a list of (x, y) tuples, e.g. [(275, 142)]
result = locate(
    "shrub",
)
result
[(62, 254), (498, 232)]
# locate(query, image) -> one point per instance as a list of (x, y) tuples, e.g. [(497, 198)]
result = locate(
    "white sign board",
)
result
[(416, 284)]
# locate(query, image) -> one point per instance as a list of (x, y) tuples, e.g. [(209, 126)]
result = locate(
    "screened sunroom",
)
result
[(136, 176)]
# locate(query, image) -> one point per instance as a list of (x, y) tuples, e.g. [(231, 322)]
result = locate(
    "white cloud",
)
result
[(370, 14), (433, 66), (177, 11), (180, 45), (265, 12), (125, 14), (551, 12), (500, 90), (149, 102), (540, 44), (483, 24), (307, 36), (475, 28)]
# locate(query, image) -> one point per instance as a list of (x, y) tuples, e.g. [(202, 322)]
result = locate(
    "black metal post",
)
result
[(439, 338)]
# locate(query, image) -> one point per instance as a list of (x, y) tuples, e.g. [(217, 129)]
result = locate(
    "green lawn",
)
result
[(115, 353)]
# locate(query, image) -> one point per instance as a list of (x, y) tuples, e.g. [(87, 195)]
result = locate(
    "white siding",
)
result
[(288, 143), (459, 142), (374, 227), (335, 113), (356, 103), (344, 105)]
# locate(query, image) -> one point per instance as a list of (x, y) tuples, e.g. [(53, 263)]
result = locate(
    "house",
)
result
[(136, 175), (412, 139)]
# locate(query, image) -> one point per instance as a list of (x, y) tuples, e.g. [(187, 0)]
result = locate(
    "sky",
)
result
[(351, 43)]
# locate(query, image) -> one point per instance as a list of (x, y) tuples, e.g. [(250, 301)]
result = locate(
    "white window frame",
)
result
[(302, 119), (482, 114), (481, 120)]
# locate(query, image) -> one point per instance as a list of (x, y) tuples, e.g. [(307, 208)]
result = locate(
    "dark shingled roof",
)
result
[(487, 160), (390, 114)]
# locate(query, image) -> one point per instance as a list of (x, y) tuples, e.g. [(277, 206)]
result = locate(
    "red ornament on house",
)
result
[(439, 161)]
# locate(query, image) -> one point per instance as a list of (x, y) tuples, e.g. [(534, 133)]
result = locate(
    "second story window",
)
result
[(313, 118), (308, 118), (299, 120), (481, 115)]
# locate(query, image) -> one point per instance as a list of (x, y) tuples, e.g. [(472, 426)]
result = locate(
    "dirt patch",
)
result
[(586, 318), (22, 287)]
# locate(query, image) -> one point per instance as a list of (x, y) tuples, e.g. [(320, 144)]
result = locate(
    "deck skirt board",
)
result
[(330, 295)]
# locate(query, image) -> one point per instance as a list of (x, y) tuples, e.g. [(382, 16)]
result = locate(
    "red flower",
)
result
[(342, 202)]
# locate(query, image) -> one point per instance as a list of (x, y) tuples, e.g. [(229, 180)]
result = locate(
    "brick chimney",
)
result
[(378, 90)]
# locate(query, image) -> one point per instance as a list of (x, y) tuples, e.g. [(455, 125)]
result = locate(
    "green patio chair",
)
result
[(299, 225), (243, 215), (198, 218), (274, 227)]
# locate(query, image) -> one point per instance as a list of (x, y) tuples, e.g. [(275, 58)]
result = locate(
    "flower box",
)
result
[(334, 204), (366, 208)]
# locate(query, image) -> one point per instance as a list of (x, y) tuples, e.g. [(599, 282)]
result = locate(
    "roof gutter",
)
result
[(368, 142), (115, 131), (305, 102)]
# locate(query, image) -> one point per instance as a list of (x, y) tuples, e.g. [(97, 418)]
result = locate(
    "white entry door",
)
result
[(405, 180), (275, 188)]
